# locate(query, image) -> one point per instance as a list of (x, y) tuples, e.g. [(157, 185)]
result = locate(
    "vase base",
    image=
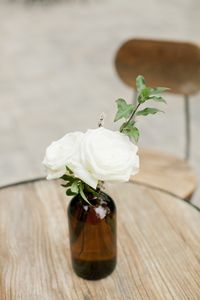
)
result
[(93, 270)]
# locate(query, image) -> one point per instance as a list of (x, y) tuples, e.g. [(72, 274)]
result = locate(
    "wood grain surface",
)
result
[(158, 246), (166, 172)]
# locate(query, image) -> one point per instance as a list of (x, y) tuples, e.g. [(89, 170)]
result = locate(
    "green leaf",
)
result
[(122, 127), (158, 90), (140, 83), (157, 98), (124, 110), (69, 170), (144, 95), (125, 125), (70, 193), (67, 178), (145, 92), (134, 133), (67, 184), (148, 111), (83, 194), (131, 131), (75, 187)]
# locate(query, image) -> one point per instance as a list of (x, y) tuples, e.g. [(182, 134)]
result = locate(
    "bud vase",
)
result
[(92, 232)]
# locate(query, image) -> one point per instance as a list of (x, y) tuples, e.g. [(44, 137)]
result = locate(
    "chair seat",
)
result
[(166, 172)]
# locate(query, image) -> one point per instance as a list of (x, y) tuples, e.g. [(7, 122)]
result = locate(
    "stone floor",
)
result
[(57, 75)]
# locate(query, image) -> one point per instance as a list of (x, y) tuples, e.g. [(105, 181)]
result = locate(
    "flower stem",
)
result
[(132, 115)]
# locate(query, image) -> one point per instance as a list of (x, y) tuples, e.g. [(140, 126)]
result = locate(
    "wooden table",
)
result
[(158, 246)]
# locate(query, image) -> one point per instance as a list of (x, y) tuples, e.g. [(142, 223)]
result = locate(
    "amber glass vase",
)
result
[(92, 230)]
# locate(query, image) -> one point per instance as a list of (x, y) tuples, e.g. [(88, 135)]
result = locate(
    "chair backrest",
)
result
[(162, 63)]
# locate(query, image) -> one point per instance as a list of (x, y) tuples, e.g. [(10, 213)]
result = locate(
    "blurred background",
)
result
[(57, 75)]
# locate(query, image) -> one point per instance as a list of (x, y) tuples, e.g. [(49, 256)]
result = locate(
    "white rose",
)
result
[(105, 155), (59, 153)]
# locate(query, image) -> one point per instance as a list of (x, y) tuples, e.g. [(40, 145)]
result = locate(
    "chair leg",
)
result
[(187, 127)]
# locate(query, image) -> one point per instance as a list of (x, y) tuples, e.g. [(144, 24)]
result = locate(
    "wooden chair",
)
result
[(175, 65)]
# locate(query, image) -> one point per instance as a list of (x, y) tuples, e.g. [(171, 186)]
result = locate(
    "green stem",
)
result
[(132, 115)]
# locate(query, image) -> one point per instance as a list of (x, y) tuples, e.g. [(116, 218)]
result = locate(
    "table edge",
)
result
[(43, 178)]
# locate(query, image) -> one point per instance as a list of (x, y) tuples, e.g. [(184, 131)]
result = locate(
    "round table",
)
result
[(158, 246)]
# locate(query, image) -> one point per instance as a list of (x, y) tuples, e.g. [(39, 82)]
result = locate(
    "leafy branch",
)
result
[(129, 111), (75, 186)]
